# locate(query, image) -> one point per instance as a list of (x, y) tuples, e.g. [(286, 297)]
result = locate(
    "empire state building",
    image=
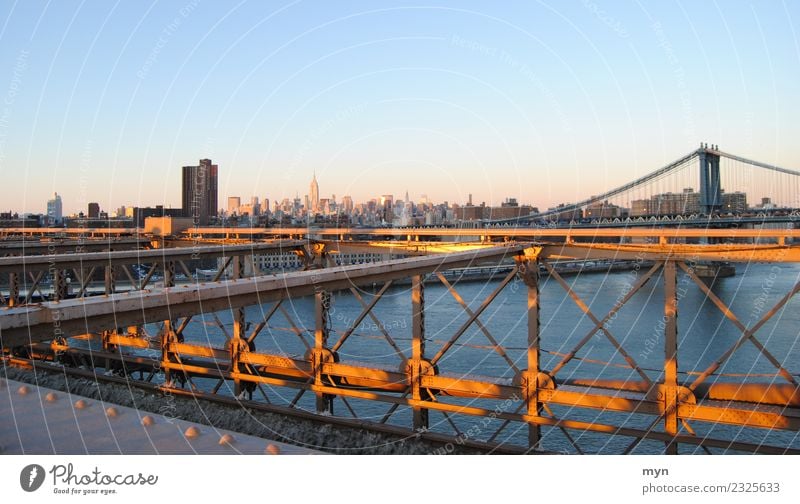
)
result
[(313, 194)]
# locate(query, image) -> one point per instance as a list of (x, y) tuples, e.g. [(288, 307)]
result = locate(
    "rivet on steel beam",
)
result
[(51, 397), (112, 412), (81, 404), (273, 449), (23, 390), (227, 439), (192, 432), (147, 421)]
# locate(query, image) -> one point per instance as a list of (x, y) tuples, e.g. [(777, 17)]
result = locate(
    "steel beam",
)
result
[(673, 251), (238, 343), (417, 366), (670, 391), (13, 289), (529, 271), (86, 260), (501, 232), (26, 324), (321, 353)]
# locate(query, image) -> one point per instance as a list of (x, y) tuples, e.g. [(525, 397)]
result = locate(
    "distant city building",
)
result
[(234, 202), (510, 209), (94, 210), (469, 212), (684, 203), (139, 214), (8, 219), (766, 204), (313, 195), (167, 226), (735, 202), (199, 195), (387, 208), (604, 210), (54, 210), (565, 214), (347, 204)]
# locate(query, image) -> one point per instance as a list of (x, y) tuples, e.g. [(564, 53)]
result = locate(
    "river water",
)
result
[(704, 335)]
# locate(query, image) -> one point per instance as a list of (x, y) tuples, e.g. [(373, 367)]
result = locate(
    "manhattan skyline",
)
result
[(106, 103)]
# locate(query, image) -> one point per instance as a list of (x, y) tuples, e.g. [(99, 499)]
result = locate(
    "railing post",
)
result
[(420, 415), (322, 301), (59, 285), (169, 274), (238, 338), (670, 355), (166, 341), (530, 276), (105, 335), (13, 289), (110, 282)]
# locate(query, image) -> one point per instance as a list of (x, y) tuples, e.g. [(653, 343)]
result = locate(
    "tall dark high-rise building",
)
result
[(199, 194), (94, 210)]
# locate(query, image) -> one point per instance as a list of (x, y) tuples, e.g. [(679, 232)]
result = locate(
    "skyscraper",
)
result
[(314, 194), (54, 211), (387, 208), (234, 202), (199, 194), (347, 204), (94, 210)]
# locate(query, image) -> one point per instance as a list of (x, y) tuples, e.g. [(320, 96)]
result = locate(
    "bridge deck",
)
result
[(45, 421)]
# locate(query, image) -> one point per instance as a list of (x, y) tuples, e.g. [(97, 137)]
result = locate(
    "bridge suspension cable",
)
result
[(641, 181), (784, 190)]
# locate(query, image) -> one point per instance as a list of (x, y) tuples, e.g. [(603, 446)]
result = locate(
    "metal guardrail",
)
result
[(671, 401)]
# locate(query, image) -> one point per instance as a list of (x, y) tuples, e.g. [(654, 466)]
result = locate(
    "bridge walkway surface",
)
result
[(46, 421)]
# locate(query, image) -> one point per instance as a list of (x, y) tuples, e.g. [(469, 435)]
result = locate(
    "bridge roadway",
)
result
[(495, 232), (417, 381), (52, 246), (722, 224)]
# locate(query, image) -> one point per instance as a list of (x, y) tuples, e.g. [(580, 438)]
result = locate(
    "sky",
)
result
[(545, 102)]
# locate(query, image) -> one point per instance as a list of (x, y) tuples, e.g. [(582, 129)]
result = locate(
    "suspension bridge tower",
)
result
[(710, 190)]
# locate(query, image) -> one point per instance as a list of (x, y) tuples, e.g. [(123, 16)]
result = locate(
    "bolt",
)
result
[(147, 421), (227, 439), (23, 390), (192, 432), (51, 397), (112, 412), (81, 404), (273, 449)]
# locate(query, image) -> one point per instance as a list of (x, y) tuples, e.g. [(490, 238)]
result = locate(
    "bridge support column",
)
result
[(670, 398), (530, 274), (420, 415), (321, 353), (710, 189)]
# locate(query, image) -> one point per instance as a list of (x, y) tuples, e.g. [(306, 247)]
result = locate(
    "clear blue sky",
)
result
[(544, 101)]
